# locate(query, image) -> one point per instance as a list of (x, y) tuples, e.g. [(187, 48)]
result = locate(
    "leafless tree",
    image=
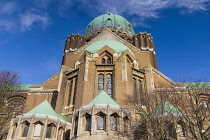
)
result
[(166, 110), (154, 119), (10, 83), (193, 102)]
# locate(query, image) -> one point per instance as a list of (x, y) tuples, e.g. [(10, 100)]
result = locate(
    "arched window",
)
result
[(126, 124), (76, 126), (181, 129), (108, 60), (134, 89), (101, 122), (37, 129), (140, 91), (67, 135), (88, 122), (100, 82), (25, 129), (103, 61), (60, 133), (170, 130), (109, 84), (113, 123), (50, 130)]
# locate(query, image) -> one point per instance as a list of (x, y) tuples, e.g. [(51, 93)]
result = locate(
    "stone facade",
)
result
[(84, 73)]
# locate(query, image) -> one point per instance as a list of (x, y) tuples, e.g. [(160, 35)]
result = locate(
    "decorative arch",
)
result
[(38, 128), (114, 122), (87, 118), (126, 124), (60, 133), (50, 130), (101, 121), (106, 58), (25, 128), (16, 104)]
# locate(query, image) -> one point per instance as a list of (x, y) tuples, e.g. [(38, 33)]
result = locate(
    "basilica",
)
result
[(85, 99)]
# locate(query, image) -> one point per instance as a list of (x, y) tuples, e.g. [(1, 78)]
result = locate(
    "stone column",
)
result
[(45, 128), (9, 136), (56, 132), (19, 129), (93, 121), (30, 131), (79, 128), (108, 120)]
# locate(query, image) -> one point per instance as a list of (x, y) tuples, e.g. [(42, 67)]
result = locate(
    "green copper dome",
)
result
[(114, 45), (109, 19)]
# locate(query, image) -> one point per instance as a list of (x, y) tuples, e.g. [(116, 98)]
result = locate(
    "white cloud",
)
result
[(15, 16), (29, 19), (144, 9), (7, 7), (6, 25)]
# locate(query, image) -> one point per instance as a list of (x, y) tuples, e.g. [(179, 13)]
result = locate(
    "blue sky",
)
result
[(33, 33)]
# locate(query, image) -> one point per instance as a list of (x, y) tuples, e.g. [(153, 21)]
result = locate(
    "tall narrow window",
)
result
[(54, 98), (50, 129), (103, 61), (75, 91), (109, 84), (88, 122), (170, 130), (181, 129), (70, 90), (140, 91), (126, 124), (100, 82), (37, 129), (113, 123), (108, 61), (67, 135), (134, 89), (101, 122), (76, 126), (26, 128)]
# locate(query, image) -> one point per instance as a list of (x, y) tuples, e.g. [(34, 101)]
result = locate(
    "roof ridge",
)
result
[(45, 108), (102, 98)]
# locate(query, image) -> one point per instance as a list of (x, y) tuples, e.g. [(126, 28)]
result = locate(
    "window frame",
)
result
[(105, 83)]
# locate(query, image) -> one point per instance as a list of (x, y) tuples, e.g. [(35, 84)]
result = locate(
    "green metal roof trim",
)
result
[(109, 19), (114, 45), (46, 109), (22, 87), (197, 84), (63, 117), (102, 98), (165, 107)]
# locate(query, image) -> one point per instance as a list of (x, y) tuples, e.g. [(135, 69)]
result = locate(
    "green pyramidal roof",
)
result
[(45, 108), (109, 19), (102, 98), (114, 45), (165, 107)]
